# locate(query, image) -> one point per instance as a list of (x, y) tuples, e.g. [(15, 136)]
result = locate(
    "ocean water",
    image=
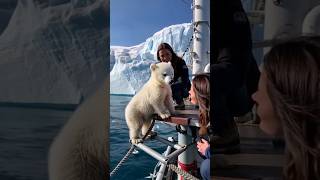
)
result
[(140, 165), (25, 137)]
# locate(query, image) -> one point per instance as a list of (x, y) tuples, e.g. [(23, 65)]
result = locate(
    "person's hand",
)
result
[(202, 145)]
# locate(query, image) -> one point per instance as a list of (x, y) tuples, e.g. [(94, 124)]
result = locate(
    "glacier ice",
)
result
[(54, 51), (130, 65)]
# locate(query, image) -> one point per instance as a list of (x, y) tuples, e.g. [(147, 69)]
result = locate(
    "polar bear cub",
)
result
[(154, 97), (80, 151)]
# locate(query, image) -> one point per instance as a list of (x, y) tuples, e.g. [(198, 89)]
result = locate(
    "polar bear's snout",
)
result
[(168, 79)]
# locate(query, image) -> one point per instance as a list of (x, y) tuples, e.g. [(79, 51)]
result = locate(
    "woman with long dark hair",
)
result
[(288, 104), (181, 83)]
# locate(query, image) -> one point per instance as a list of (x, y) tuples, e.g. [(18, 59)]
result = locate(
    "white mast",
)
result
[(201, 57), (201, 35)]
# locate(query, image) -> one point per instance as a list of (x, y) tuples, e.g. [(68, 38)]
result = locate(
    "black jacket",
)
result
[(181, 74), (231, 42), (233, 67)]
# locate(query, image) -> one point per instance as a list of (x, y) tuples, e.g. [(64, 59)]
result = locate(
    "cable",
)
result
[(130, 151)]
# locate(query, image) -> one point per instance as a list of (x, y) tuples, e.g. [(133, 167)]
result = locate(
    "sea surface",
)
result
[(25, 137), (139, 165)]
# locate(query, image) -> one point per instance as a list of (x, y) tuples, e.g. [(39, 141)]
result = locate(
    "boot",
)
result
[(228, 142)]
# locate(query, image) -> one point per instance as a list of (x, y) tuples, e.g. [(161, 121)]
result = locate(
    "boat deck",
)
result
[(260, 158)]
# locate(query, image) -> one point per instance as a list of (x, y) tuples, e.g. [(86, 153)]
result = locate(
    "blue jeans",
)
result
[(205, 169)]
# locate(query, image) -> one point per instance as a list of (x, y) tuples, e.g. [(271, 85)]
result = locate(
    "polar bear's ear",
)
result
[(153, 67)]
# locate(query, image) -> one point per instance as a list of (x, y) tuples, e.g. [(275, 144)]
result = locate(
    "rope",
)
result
[(150, 128), (181, 172), (122, 160), (130, 151)]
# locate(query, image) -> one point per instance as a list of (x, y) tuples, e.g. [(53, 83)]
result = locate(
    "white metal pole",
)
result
[(201, 35), (162, 169), (187, 159), (152, 153)]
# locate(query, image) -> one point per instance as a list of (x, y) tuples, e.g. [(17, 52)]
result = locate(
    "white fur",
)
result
[(80, 151), (154, 97), (207, 68)]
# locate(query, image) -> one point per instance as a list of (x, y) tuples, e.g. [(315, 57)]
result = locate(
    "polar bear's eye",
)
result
[(164, 74)]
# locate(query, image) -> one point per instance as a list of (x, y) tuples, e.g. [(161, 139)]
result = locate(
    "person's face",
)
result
[(165, 55), (192, 95), (269, 123)]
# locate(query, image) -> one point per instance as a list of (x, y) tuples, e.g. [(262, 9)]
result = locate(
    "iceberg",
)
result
[(53, 51), (130, 66)]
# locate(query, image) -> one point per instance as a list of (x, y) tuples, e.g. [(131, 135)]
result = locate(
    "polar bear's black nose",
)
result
[(171, 81)]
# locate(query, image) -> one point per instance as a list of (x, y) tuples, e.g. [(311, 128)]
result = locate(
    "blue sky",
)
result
[(133, 21)]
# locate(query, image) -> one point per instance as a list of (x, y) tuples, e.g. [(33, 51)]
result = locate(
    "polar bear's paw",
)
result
[(150, 135), (135, 140), (164, 115)]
